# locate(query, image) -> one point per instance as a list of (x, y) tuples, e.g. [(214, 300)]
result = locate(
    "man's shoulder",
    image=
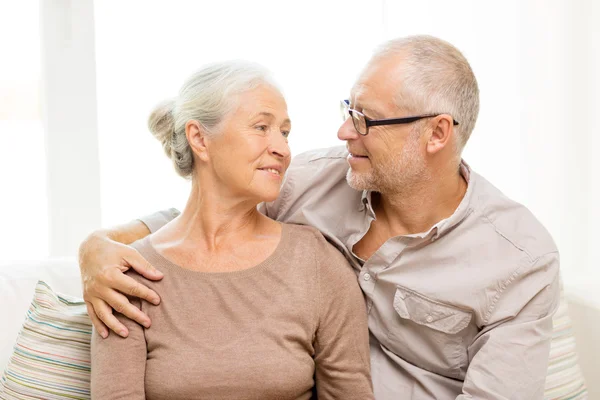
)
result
[(315, 190), (315, 174), (515, 254), (511, 220), (329, 157)]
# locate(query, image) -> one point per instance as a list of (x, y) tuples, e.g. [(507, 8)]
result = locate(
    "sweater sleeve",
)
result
[(119, 364), (342, 366)]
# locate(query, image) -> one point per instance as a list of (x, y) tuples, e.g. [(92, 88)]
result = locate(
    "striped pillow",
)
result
[(564, 380), (51, 358)]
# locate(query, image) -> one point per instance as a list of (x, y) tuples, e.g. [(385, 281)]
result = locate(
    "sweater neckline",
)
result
[(159, 261)]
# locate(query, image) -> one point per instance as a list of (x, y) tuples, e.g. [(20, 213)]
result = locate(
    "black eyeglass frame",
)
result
[(387, 121)]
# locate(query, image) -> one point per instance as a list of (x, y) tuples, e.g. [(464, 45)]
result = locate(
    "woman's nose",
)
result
[(280, 147)]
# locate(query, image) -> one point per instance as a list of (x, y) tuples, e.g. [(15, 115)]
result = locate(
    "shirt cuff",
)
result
[(159, 219)]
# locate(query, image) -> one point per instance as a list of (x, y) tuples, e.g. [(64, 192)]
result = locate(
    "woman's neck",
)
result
[(213, 220)]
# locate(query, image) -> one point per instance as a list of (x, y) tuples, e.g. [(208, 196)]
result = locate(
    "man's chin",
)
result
[(358, 181)]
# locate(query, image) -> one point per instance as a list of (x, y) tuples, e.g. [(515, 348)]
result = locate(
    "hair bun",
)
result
[(162, 124)]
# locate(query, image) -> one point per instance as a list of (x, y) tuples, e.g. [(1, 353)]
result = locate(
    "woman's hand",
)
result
[(103, 261)]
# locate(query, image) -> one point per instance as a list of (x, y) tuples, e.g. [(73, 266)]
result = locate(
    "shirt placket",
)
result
[(386, 256)]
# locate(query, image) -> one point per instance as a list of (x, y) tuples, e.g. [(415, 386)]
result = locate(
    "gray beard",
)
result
[(396, 176)]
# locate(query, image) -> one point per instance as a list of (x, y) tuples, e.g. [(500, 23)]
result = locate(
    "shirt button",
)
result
[(429, 319), (367, 277)]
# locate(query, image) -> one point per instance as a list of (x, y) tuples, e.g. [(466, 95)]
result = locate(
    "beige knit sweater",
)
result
[(292, 327)]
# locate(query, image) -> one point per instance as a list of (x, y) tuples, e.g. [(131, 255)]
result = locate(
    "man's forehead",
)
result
[(379, 80), (366, 86), (357, 91), (373, 97)]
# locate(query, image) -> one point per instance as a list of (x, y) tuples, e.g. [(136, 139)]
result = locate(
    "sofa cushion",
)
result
[(564, 380), (51, 356)]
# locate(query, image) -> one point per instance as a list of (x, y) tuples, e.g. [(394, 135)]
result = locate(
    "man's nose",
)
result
[(347, 131)]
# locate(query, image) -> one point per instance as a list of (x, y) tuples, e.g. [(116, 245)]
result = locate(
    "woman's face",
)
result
[(251, 154)]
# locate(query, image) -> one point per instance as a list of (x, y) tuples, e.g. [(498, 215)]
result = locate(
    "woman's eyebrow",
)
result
[(269, 115)]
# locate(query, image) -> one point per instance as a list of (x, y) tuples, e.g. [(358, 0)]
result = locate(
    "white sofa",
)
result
[(18, 280)]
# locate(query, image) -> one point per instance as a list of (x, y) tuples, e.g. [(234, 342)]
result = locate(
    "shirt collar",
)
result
[(365, 200), (461, 212), (463, 209)]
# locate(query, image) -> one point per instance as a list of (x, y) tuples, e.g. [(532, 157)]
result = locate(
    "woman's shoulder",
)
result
[(306, 231), (308, 236), (311, 241), (144, 247)]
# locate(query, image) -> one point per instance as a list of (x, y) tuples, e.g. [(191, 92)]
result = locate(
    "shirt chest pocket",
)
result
[(432, 333)]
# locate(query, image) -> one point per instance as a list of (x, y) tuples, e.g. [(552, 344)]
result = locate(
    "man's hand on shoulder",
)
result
[(103, 260)]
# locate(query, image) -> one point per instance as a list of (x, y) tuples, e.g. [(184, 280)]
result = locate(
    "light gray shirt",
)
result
[(462, 311)]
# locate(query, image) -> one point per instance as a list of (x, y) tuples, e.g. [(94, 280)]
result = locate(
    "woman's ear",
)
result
[(196, 137)]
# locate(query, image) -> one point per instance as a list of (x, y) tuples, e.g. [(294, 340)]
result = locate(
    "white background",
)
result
[(78, 79)]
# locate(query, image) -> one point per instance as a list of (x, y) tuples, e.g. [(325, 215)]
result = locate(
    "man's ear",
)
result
[(197, 138), (441, 134)]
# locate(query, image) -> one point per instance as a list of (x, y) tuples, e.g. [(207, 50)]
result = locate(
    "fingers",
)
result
[(104, 313), (100, 327), (129, 286), (104, 296), (121, 304), (142, 266), (108, 285)]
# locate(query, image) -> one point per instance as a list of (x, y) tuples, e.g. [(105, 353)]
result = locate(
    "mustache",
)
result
[(357, 152)]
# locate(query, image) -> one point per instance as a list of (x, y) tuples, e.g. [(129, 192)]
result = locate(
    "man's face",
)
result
[(391, 158)]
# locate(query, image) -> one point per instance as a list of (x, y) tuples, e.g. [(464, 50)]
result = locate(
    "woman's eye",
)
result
[(261, 127), (285, 133)]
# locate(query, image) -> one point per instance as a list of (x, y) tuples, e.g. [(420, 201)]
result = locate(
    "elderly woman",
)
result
[(251, 308)]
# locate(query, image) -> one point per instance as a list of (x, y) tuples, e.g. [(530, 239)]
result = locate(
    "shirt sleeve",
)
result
[(342, 364), (509, 359), (119, 364), (159, 219)]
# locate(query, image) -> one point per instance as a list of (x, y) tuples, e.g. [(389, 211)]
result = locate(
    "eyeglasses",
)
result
[(362, 123)]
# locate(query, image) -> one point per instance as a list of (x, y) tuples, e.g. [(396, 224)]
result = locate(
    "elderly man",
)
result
[(460, 281)]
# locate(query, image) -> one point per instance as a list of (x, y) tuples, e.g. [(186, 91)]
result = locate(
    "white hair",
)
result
[(207, 96), (437, 78)]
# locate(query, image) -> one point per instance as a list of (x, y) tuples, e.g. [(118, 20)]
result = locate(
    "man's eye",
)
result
[(261, 127)]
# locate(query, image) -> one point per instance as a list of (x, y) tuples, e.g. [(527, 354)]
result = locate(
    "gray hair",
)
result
[(207, 96), (437, 78)]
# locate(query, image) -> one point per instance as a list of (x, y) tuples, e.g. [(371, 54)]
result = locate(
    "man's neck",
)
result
[(420, 208)]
